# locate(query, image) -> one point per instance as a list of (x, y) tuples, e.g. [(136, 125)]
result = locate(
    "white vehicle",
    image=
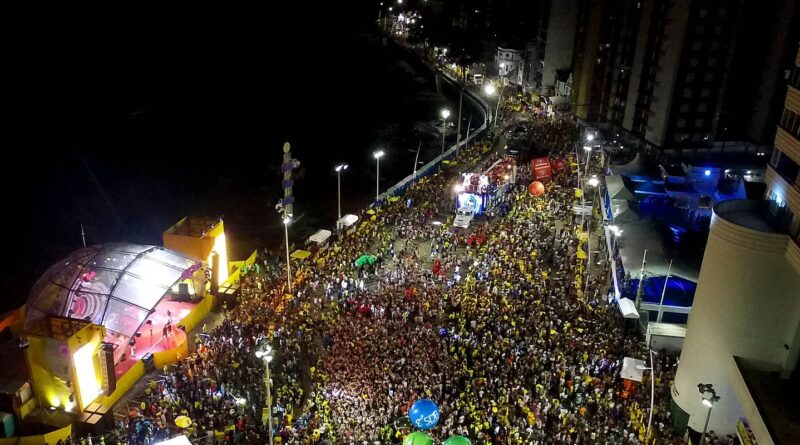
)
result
[(464, 216), (477, 79)]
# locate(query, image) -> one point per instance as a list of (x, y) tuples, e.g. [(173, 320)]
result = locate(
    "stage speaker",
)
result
[(149, 362), (107, 374)]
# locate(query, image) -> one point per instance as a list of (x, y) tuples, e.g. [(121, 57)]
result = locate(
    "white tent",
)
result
[(346, 221), (629, 370), (627, 308), (180, 440), (320, 237), (616, 188)]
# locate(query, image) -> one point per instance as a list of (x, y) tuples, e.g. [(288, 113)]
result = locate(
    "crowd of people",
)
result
[(492, 323)]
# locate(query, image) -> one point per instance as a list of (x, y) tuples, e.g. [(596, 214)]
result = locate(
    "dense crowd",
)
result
[(492, 323)]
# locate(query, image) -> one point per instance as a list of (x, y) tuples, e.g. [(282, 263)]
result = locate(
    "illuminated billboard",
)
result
[(88, 382), (471, 200)]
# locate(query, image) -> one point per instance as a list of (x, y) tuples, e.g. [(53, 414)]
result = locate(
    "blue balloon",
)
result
[(424, 414), (443, 332)]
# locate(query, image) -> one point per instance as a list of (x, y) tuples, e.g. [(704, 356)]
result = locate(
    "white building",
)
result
[(510, 63)]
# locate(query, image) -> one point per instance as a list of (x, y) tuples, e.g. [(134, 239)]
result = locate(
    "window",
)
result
[(687, 92), (776, 155), (696, 46), (690, 77), (705, 92), (700, 29), (699, 122), (712, 61), (718, 30), (681, 123), (722, 12), (684, 108), (693, 62), (703, 13), (714, 46), (702, 108), (708, 77)]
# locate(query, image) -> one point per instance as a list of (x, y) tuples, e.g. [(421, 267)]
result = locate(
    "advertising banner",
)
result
[(541, 168)]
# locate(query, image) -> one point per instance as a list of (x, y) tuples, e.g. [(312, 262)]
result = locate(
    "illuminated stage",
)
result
[(152, 337)]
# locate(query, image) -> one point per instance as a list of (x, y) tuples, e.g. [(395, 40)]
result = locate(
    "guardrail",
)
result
[(430, 167)]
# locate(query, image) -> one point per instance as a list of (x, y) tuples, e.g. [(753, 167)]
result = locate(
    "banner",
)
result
[(541, 168), (559, 164)]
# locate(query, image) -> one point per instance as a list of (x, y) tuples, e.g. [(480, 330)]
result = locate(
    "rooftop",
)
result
[(750, 213), (777, 400)]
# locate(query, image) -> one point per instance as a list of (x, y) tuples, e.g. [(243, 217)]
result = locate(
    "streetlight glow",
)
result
[(587, 148), (378, 154), (707, 403), (445, 113), (489, 89), (287, 220), (593, 182), (590, 137), (341, 167)]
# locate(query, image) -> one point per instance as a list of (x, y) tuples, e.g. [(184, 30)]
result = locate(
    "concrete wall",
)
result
[(560, 40), (748, 305)]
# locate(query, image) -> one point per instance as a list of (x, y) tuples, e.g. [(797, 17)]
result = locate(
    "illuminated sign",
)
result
[(471, 201), (88, 383)]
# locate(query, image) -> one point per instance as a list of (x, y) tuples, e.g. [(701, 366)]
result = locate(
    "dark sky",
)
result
[(129, 122)]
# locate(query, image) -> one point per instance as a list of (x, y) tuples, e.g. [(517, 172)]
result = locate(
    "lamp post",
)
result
[(490, 89), (339, 169), (652, 391), (377, 155), (445, 114), (708, 403), (286, 221), (267, 356)]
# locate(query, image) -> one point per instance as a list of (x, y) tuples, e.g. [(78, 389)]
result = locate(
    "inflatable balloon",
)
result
[(443, 332), (536, 189), (417, 438), (457, 440), (424, 414)]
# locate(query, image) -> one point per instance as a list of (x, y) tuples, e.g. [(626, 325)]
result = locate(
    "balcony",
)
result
[(788, 191), (788, 144)]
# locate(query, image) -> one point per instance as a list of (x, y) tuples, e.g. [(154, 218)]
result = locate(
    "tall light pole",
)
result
[(267, 356), (708, 403), (339, 169), (664, 293), (652, 369), (490, 89), (286, 221), (445, 114), (377, 155)]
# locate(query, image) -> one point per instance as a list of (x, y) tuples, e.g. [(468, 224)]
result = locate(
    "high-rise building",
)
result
[(554, 43), (743, 335), (684, 75)]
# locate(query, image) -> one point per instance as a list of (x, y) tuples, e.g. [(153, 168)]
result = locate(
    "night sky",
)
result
[(130, 123)]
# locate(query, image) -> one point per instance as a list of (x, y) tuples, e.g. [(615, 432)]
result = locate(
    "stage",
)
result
[(152, 339)]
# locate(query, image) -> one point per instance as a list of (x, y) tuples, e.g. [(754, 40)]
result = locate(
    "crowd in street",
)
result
[(493, 323)]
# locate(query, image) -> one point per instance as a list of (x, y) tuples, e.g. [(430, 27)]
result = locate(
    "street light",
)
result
[(377, 155), (708, 403), (652, 391), (286, 221), (593, 181), (267, 356), (490, 89), (339, 169), (445, 115)]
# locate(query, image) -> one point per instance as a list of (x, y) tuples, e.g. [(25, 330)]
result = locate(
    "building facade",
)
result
[(554, 43), (743, 335), (684, 75)]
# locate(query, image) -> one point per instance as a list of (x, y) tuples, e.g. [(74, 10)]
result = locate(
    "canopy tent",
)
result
[(651, 188), (365, 259), (180, 440), (346, 221), (320, 237), (622, 212), (636, 166), (630, 370), (627, 308), (617, 189), (300, 254)]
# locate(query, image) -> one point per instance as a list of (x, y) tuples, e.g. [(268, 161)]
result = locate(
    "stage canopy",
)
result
[(320, 237), (115, 285), (628, 308)]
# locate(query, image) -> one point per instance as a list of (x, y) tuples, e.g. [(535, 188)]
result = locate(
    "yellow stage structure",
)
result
[(201, 237), (64, 363)]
